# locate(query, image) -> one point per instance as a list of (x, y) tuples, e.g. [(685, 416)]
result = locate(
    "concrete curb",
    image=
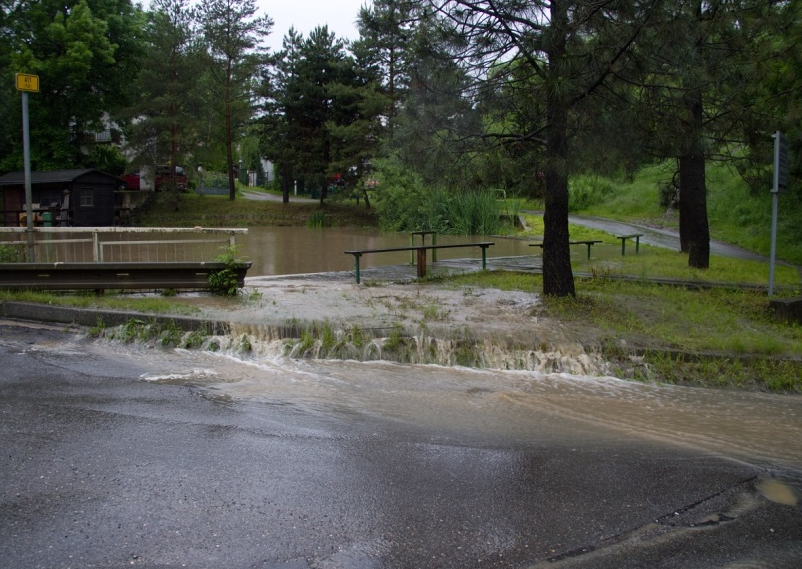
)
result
[(92, 317)]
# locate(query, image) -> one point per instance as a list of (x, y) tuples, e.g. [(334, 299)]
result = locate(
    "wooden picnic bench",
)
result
[(623, 238), (421, 254), (589, 242)]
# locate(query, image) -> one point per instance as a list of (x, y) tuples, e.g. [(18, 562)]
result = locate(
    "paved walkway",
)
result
[(264, 196), (667, 238)]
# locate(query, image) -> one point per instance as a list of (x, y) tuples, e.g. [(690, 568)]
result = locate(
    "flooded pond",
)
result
[(299, 250)]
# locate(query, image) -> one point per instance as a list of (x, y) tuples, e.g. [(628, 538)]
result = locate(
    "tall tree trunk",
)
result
[(558, 278), (232, 187), (286, 175), (367, 199), (693, 224), (694, 229), (173, 150)]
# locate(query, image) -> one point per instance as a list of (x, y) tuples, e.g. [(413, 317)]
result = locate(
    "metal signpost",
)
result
[(779, 186), (27, 84)]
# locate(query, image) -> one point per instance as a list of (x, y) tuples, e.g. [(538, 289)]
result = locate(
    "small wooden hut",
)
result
[(77, 198)]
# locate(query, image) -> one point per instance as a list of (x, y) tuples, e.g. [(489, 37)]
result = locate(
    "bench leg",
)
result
[(623, 247), (421, 263), (637, 244), (356, 267), (589, 246)]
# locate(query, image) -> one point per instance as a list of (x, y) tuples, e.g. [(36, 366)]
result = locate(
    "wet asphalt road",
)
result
[(102, 469)]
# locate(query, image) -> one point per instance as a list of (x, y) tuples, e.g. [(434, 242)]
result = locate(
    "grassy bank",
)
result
[(736, 214), (716, 338), (219, 211), (658, 262), (149, 304)]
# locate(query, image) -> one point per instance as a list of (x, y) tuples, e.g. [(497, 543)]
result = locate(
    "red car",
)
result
[(134, 179), (163, 177), (131, 181)]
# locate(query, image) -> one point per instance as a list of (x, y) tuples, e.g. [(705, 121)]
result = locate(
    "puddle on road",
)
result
[(779, 492)]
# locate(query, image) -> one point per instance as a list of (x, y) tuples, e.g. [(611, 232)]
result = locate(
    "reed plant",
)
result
[(463, 213), (317, 219)]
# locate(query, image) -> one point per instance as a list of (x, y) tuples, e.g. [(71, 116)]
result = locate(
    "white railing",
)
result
[(117, 244)]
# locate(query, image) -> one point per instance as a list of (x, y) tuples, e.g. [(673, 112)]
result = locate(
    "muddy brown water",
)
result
[(489, 405), (759, 428), (514, 406), (300, 250)]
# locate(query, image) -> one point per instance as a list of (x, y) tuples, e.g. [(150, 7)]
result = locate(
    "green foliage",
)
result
[(328, 338), (585, 191), (387, 31), (194, 339), (635, 198), (98, 329), (736, 214), (466, 213), (167, 334), (85, 54), (168, 116), (405, 204), (324, 113), (107, 158), (307, 341), (224, 282), (396, 341), (713, 337), (317, 219), (13, 253), (400, 196), (134, 329), (233, 35)]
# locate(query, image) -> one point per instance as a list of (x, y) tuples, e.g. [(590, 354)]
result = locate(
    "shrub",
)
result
[(586, 191), (224, 282), (400, 196), (12, 254)]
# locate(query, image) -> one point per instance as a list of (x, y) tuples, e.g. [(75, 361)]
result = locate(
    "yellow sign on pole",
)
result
[(27, 82)]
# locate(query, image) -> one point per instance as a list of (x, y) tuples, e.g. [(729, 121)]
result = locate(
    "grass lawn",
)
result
[(658, 262)]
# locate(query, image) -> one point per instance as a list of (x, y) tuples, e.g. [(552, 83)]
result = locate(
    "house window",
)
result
[(86, 198), (49, 198)]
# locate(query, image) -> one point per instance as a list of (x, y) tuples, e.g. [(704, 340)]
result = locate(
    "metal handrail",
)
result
[(98, 245)]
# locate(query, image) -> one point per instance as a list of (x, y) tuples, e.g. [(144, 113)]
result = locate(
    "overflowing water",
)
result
[(564, 394), (517, 407)]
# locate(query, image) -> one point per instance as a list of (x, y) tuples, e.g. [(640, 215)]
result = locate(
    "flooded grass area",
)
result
[(714, 337)]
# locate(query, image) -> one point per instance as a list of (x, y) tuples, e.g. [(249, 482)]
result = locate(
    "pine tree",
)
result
[(556, 54), (233, 34), (322, 114), (699, 61), (163, 125), (386, 31)]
